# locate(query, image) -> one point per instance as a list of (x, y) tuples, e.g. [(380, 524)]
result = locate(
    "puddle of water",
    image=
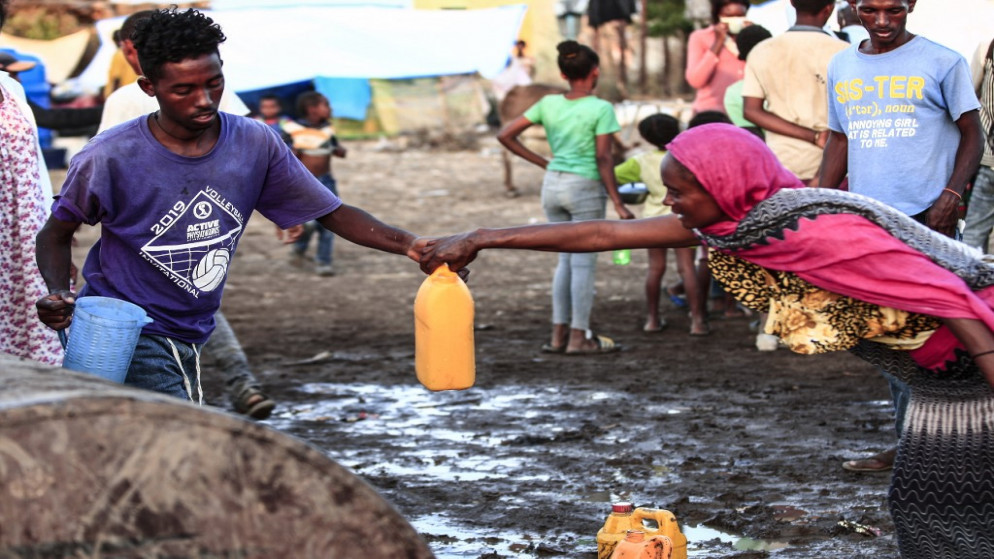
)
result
[(426, 441), (453, 540), (697, 534)]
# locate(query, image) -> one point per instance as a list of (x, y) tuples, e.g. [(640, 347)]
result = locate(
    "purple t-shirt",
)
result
[(170, 224)]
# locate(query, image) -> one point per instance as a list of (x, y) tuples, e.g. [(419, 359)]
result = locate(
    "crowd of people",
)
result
[(837, 223), (890, 129)]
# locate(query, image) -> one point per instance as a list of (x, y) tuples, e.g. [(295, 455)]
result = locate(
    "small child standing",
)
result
[(314, 143), (271, 113), (659, 130)]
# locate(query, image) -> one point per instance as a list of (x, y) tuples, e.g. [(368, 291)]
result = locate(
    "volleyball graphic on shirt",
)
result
[(211, 269), (194, 242)]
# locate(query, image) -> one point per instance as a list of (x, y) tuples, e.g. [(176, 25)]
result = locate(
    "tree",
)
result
[(667, 18)]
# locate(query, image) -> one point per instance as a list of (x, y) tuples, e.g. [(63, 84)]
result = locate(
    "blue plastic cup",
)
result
[(103, 336)]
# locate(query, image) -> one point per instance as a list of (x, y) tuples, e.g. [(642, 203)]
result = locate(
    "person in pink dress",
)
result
[(712, 58)]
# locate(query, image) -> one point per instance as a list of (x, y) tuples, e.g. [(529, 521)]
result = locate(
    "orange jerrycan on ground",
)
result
[(444, 350), (625, 517), (637, 546)]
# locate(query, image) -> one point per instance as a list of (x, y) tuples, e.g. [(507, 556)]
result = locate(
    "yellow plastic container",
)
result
[(444, 349), (637, 546), (625, 517)]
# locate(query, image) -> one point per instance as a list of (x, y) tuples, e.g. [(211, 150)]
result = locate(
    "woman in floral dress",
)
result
[(25, 196)]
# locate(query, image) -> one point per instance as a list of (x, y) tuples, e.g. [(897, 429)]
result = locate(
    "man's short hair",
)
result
[(749, 37), (127, 29), (174, 36), (811, 6)]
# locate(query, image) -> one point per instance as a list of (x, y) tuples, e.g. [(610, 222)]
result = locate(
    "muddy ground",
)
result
[(744, 447)]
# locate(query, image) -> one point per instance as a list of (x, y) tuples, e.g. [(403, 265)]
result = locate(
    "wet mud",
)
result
[(744, 447)]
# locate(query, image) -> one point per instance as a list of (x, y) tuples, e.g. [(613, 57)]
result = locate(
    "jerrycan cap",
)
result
[(622, 507)]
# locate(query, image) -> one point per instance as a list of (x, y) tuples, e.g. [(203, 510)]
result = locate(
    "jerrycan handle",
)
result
[(662, 518), (667, 546), (63, 339)]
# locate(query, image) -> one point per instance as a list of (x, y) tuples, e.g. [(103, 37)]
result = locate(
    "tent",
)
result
[(272, 46), (61, 56)]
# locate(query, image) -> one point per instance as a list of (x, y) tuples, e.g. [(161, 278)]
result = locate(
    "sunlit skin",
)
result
[(188, 93), (693, 206), (885, 21)]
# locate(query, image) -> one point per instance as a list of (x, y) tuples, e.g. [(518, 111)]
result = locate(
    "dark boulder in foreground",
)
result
[(93, 468)]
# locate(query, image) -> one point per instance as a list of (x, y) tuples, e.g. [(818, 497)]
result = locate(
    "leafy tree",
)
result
[(667, 18)]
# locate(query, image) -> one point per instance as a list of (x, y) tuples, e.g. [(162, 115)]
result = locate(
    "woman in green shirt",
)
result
[(578, 181)]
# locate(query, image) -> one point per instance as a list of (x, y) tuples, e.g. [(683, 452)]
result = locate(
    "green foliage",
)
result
[(666, 18)]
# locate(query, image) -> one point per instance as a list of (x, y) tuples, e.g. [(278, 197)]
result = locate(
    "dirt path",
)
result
[(744, 447)]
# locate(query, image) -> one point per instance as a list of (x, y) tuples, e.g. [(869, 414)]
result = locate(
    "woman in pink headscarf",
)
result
[(895, 293)]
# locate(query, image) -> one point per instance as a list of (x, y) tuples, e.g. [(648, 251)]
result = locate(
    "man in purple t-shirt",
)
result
[(173, 192)]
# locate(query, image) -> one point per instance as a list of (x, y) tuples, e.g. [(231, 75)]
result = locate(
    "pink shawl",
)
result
[(840, 252)]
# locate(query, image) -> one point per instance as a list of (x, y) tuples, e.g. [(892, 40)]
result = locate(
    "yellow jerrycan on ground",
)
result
[(444, 349), (625, 517), (637, 546)]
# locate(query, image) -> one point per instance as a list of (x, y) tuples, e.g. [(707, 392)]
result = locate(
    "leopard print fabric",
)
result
[(811, 320)]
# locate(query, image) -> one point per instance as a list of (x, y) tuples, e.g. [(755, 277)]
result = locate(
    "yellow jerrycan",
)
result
[(444, 350), (637, 546), (625, 517)]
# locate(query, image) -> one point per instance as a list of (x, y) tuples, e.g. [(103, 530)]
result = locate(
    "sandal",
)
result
[(879, 462), (549, 348), (604, 345), (253, 402)]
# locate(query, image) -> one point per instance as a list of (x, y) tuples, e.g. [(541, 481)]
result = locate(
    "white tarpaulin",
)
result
[(270, 47)]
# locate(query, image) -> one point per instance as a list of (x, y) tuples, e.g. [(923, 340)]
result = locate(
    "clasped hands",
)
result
[(457, 251)]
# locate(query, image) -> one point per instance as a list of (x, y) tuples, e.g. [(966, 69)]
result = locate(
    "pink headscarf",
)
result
[(842, 253), (734, 166)]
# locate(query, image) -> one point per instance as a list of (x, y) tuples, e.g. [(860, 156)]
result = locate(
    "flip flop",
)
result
[(678, 300), (880, 462), (604, 345), (549, 348)]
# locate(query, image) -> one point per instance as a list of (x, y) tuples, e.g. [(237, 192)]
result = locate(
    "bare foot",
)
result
[(699, 327), (654, 324)]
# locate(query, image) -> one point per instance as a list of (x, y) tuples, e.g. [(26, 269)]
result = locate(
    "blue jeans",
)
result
[(154, 367), (980, 214), (569, 197), (900, 393), (326, 239)]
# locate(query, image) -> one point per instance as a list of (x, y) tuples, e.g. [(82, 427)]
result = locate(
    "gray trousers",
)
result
[(569, 197)]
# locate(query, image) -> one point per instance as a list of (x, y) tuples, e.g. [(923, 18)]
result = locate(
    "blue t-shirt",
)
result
[(170, 224), (899, 111)]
